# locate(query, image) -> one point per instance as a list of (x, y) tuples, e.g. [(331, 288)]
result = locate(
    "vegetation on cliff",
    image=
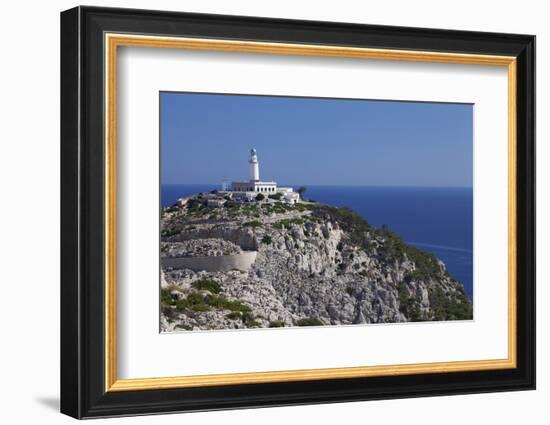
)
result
[(393, 249), (315, 265)]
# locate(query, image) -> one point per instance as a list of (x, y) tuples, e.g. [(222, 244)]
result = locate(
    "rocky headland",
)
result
[(312, 264)]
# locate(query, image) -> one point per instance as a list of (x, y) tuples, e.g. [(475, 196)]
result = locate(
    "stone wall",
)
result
[(245, 238), (219, 263)]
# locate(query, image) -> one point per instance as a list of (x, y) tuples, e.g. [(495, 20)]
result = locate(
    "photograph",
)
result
[(289, 210), (280, 211)]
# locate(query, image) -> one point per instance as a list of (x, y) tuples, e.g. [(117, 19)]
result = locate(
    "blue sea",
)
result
[(437, 220)]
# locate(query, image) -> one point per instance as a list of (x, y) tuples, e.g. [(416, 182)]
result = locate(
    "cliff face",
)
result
[(315, 265)]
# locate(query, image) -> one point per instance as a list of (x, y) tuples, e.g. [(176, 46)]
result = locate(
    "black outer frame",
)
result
[(82, 218)]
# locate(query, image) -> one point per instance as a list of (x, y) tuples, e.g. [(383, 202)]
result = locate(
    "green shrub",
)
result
[(276, 196), (222, 303), (172, 208), (200, 307), (260, 197), (246, 317), (309, 322), (408, 304), (447, 308), (287, 223), (194, 205), (166, 297), (426, 264), (352, 223), (267, 239), (302, 207), (194, 301), (185, 327), (234, 315), (253, 223), (248, 320), (207, 285), (171, 231), (277, 324), (232, 206), (198, 302)]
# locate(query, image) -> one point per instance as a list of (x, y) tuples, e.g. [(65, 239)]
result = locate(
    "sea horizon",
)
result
[(329, 185), (436, 219)]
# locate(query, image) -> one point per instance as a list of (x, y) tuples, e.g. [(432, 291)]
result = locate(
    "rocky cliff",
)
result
[(315, 265)]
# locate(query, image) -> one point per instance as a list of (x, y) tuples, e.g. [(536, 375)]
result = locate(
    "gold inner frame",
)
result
[(113, 41)]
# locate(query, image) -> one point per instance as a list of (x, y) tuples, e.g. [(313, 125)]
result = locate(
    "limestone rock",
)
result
[(314, 265)]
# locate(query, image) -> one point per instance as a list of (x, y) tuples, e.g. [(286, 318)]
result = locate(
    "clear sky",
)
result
[(206, 138)]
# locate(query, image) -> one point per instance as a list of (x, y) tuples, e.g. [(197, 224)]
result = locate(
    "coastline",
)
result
[(404, 210)]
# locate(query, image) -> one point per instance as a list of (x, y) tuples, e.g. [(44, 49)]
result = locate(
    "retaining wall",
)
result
[(219, 263)]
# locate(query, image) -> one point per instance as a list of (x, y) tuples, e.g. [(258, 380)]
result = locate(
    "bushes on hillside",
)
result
[(309, 322), (208, 285)]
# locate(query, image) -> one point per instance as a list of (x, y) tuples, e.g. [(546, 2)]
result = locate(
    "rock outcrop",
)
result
[(315, 265)]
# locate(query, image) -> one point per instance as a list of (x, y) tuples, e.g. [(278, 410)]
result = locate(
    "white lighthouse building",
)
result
[(254, 166), (250, 189), (254, 184)]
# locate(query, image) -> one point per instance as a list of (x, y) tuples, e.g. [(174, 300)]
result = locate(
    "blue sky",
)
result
[(206, 138)]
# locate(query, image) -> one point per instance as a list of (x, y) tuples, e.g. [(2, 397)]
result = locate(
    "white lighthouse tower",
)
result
[(248, 191), (254, 166)]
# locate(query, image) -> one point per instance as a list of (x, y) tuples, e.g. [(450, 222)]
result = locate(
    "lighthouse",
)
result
[(254, 166), (247, 191)]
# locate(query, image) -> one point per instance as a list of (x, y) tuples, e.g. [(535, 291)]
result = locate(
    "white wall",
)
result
[(29, 224)]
